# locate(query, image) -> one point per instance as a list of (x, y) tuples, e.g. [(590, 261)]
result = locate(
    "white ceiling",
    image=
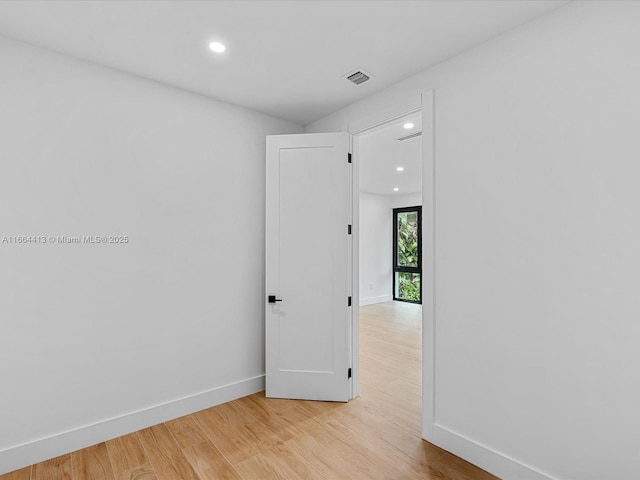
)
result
[(284, 58), (379, 154)]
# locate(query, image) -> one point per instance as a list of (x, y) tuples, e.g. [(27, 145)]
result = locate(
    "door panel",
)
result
[(307, 266)]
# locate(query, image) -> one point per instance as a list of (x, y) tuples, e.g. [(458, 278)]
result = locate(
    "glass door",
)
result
[(407, 254)]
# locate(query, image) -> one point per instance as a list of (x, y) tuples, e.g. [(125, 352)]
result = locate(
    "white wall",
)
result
[(93, 336), (537, 258), (376, 224), (408, 200)]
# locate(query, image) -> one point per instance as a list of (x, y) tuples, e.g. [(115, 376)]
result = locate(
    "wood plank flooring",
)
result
[(376, 436)]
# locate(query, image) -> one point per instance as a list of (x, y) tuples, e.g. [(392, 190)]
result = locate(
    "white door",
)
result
[(308, 267)]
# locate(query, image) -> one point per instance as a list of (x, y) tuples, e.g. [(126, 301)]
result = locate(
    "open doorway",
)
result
[(390, 203), (390, 253)]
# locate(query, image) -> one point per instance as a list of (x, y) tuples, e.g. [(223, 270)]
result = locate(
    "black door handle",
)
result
[(273, 299)]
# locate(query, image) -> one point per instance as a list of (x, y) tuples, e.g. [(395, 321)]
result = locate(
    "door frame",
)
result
[(423, 102)]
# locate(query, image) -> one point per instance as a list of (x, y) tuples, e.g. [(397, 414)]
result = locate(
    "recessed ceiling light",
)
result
[(217, 47), (408, 125), (399, 169), (396, 189)]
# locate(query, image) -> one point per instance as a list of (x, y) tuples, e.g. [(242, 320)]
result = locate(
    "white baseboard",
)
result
[(36, 451), (372, 300), (484, 457)]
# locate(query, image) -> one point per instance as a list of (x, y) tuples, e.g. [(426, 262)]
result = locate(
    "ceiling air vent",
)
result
[(413, 135), (358, 77)]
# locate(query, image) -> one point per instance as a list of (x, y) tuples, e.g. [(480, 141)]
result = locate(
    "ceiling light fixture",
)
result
[(396, 189), (408, 125), (399, 169), (217, 47)]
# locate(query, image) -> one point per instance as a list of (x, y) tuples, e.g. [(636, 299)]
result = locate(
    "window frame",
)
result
[(405, 269)]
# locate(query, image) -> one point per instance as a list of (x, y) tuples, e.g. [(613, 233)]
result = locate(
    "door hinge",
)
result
[(349, 302), (349, 157), (349, 229), (349, 373)]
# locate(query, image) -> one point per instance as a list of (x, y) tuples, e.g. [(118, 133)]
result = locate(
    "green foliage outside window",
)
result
[(409, 286), (408, 239)]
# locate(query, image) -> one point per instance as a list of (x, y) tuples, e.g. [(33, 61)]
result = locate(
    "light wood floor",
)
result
[(376, 436)]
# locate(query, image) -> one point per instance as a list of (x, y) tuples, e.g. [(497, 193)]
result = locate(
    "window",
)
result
[(407, 254)]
